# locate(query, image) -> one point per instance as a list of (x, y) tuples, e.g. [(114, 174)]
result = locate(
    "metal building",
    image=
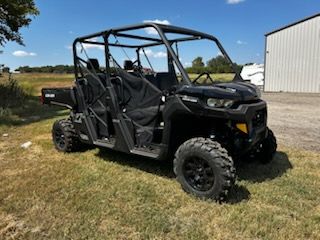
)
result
[(292, 57)]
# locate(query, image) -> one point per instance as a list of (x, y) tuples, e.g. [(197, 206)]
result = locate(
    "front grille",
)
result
[(259, 118)]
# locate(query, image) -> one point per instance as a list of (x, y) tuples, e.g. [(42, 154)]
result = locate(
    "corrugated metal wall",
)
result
[(292, 61)]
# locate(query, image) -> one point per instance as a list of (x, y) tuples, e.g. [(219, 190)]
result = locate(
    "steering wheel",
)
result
[(202, 74)]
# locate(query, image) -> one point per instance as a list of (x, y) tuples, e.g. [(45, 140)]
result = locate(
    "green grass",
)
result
[(224, 77), (29, 108), (101, 194), (35, 81)]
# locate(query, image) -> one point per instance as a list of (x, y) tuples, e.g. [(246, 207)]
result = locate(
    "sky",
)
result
[(240, 25)]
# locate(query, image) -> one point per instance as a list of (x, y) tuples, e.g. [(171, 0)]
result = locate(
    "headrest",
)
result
[(93, 64), (128, 65)]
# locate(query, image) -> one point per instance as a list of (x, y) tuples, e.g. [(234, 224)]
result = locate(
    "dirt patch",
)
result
[(295, 119)]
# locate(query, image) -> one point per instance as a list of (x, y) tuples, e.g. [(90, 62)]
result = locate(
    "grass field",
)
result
[(35, 81), (100, 194), (225, 77)]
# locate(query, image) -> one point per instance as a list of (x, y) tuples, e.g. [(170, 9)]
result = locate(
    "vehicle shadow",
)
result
[(237, 194), (254, 171), (257, 172), (161, 168), (164, 169)]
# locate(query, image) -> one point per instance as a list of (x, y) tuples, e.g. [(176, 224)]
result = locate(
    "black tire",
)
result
[(204, 169), (266, 149), (64, 136)]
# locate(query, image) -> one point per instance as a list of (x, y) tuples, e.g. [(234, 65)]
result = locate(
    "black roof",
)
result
[(164, 28), (161, 28), (292, 24)]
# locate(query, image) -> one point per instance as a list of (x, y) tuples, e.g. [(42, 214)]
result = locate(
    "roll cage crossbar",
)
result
[(161, 29)]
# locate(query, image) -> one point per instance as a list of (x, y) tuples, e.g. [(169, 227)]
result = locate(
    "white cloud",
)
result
[(160, 55), (234, 1), (92, 46), (241, 42), (87, 45), (20, 53), (147, 51), (150, 53), (187, 64), (153, 31)]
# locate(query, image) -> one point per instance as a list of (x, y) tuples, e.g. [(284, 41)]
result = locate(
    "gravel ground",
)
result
[(295, 119)]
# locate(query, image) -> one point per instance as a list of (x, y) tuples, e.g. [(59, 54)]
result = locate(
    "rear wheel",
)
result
[(64, 136), (204, 169)]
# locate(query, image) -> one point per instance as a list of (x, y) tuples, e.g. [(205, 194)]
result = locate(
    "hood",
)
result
[(237, 91)]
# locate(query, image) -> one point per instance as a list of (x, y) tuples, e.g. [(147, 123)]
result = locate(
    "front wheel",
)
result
[(266, 150), (204, 169)]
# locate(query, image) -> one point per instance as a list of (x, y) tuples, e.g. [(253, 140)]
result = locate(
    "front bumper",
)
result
[(254, 115)]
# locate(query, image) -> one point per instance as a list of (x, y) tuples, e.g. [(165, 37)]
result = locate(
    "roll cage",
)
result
[(162, 30)]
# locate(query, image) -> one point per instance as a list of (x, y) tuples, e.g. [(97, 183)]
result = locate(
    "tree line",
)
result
[(218, 64), (215, 65), (47, 69)]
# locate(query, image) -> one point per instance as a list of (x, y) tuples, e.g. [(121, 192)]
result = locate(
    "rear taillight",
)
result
[(42, 99)]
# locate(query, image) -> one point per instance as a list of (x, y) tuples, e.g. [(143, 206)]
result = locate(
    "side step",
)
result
[(109, 143), (151, 153)]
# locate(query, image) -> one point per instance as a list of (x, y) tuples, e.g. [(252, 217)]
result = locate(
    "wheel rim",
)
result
[(198, 173), (59, 138)]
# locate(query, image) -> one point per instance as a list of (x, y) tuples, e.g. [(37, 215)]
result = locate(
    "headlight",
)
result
[(218, 103)]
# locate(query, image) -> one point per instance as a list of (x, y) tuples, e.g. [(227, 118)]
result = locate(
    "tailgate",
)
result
[(58, 96)]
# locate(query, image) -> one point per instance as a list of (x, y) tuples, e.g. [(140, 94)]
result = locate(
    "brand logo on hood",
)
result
[(250, 90), (233, 90)]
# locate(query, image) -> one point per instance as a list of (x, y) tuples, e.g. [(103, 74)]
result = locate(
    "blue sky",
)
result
[(239, 24)]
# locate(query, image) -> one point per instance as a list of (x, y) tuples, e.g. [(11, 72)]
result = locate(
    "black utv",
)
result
[(158, 110)]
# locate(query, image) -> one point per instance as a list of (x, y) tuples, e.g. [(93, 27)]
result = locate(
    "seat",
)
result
[(153, 79), (92, 90), (166, 80), (93, 87), (128, 65), (163, 80), (93, 65), (141, 98)]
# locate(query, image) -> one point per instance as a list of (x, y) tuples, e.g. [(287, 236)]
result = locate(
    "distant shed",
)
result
[(292, 57)]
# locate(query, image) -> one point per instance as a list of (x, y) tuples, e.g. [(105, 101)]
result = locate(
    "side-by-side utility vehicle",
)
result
[(204, 125)]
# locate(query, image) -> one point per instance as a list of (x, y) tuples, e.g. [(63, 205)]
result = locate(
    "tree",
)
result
[(219, 64), (218, 61), (197, 62), (6, 70), (15, 14)]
